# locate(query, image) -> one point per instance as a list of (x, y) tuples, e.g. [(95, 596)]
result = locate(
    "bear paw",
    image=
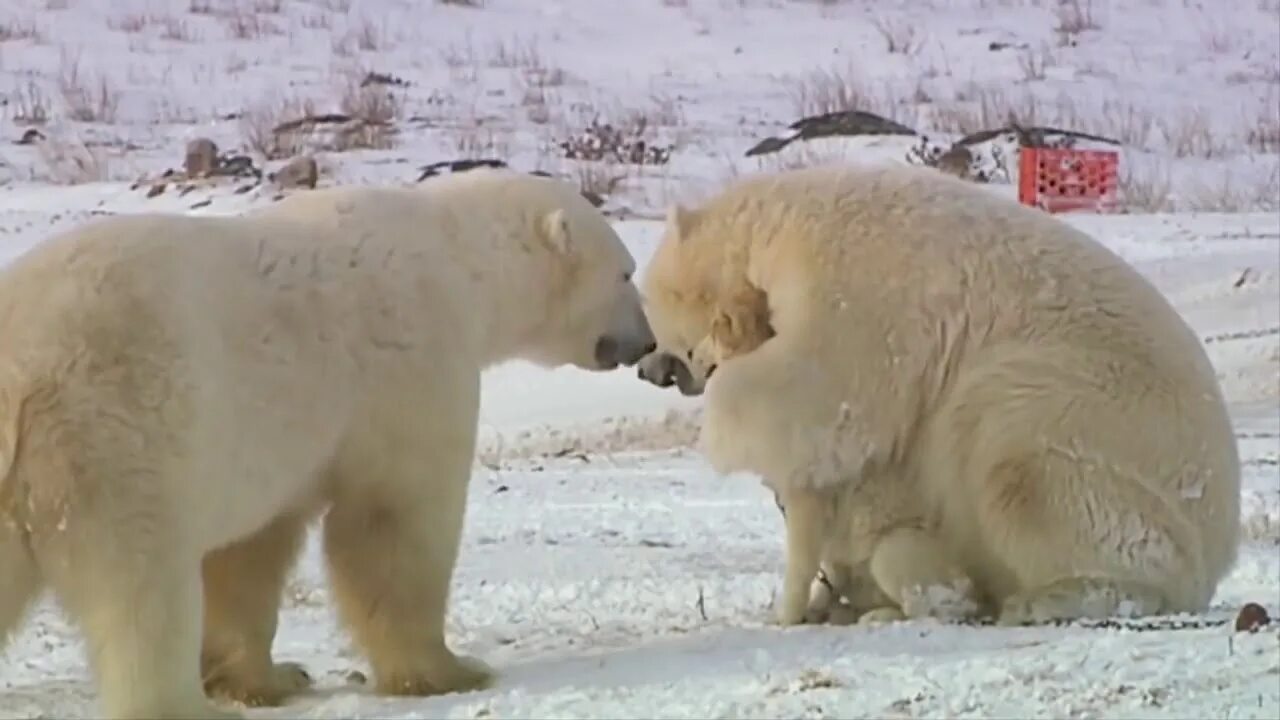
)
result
[(458, 674), (881, 615), (1081, 598), (283, 681)]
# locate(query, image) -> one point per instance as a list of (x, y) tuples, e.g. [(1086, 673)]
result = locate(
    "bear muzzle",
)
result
[(664, 370), (612, 352)]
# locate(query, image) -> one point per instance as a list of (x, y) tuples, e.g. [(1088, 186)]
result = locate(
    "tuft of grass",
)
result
[(1075, 17), (15, 30), (88, 98), (245, 25), (28, 105), (899, 35)]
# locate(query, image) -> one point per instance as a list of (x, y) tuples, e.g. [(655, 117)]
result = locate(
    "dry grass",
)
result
[(1033, 63), (15, 30), (516, 53), (368, 36), (1145, 190), (476, 138), (178, 30), (829, 90), (462, 3), (201, 7), (366, 119), (535, 79), (899, 35), (376, 110), (317, 21), (460, 56), (1125, 122), (599, 178), (1191, 134), (28, 105), (87, 98), (130, 23), (987, 107), (1075, 16), (258, 123), (246, 25), (1262, 131), (1227, 195)]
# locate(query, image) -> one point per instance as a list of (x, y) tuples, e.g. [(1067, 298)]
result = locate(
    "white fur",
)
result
[(966, 399)]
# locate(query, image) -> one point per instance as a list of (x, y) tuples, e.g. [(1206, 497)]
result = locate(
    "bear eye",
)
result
[(626, 277)]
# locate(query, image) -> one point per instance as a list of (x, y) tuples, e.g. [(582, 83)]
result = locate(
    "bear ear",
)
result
[(679, 220), (554, 230), (727, 327)]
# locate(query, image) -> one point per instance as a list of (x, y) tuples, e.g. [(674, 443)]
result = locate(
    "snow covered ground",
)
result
[(606, 572), (595, 532)]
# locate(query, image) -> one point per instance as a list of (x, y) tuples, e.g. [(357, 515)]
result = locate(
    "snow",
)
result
[(606, 570)]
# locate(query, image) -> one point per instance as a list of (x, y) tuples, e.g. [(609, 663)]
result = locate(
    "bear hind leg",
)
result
[(135, 593), (915, 571), (1076, 598), (391, 562), (1078, 551), (243, 584)]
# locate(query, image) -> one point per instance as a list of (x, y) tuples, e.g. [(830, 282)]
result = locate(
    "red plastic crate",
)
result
[(1064, 180)]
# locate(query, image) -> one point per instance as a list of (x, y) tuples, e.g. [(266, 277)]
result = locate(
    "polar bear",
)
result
[(965, 399), (179, 396)]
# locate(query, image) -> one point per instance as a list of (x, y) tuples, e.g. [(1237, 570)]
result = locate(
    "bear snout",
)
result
[(664, 370), (657, 368)]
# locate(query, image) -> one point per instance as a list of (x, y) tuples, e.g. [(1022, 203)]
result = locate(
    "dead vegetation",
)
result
[(1075, 17), (87, 98), (16, 30), (28, 105), (899, 35), (243, 24), (837, 89)]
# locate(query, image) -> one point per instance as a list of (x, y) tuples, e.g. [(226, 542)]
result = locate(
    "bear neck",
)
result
[(522, 301)]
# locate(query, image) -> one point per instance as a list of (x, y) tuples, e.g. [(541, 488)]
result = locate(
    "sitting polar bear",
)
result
[(180, 395), (961, 399)]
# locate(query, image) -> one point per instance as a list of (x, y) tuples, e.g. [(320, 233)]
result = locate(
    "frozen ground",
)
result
[(594, 531)]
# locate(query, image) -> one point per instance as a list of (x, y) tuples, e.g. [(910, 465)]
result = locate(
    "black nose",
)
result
[(649, 348)]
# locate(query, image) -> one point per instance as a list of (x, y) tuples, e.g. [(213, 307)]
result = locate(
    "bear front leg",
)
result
[(243, 584), (806, 512), (391, 561)]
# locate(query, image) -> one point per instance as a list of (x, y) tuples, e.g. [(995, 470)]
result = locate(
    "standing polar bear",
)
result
[(180, 395), (963, 400)]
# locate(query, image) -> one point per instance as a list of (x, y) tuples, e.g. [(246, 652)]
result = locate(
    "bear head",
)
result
[(701, 308)]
